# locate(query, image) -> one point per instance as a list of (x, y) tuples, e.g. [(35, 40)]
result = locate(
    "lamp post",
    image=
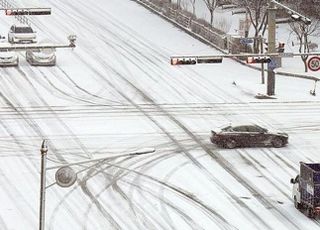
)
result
[(43, 150), (65, 176)]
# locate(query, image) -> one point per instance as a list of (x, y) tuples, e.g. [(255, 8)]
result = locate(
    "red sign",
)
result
[(314, 63)]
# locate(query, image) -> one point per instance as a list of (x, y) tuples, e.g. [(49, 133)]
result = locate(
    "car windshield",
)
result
[(44, 51), (47, 51), (256, 129), (23, 30), (240, 129), (245, 128), (228, 128)]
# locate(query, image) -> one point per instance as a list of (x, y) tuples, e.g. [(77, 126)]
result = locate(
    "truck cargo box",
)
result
[(310, 183)]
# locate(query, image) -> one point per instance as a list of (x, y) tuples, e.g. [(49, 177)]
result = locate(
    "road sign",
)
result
[(272, 64), (314, 63), (286, 55), (246, 40)]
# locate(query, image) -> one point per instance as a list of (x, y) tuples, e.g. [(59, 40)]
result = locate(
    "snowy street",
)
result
[(116, 93)]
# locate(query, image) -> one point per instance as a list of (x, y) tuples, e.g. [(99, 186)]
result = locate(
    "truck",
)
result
[(306, 189)]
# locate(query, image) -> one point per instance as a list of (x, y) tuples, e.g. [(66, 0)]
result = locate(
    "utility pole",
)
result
[(271, 45)]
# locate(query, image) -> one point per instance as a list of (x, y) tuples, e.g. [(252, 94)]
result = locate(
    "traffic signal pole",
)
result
[(262, 64), (271, 45)]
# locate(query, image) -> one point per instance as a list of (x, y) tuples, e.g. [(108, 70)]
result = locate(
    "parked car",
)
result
[(21, 34), (246, 136), (8, 58), (44, 57)]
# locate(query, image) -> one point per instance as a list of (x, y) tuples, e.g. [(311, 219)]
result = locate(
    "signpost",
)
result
[(314, 63)]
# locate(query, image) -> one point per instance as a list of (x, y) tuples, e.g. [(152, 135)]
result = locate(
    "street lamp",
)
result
[(293, 14), (65, 176)]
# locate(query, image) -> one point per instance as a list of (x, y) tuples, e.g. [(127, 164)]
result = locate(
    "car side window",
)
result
[(254, 129), (240, 129)]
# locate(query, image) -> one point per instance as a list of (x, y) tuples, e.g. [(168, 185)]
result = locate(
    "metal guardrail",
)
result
[(188, 23)]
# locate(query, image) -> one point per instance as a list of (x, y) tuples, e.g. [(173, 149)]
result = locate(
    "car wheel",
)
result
[(310, 213), (296, 204), (277, 142), (230, 144)]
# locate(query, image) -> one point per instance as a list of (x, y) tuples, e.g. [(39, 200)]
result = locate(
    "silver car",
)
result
[(8, 58), (21, 34), (41, 57)]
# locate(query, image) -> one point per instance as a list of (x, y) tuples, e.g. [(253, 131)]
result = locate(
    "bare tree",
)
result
[(257, 11), (309, 8), (303, 33), (179, 4), (193, 4), (211, 5)]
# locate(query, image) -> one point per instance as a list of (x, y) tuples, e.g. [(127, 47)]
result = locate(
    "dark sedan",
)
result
[(248, 136)]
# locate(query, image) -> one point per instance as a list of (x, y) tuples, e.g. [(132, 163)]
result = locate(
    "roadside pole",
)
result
[(65, 176), (271, 45), (43, 151), (262, 64)]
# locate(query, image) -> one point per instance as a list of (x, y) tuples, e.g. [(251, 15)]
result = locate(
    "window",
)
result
[(255, 129), (240, 129), (23, 30)]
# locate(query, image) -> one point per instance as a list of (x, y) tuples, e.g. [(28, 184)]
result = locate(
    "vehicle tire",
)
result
[(296, 204), (310, 213), (230, 144), (277, 142)]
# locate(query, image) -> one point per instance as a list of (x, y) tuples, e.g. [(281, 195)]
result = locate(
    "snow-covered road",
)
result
[(115, 93)]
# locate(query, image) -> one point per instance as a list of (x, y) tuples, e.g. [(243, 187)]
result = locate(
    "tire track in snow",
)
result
[(33, 125), (249, 186)]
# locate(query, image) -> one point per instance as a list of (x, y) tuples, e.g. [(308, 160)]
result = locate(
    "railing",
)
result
[(188, 22)]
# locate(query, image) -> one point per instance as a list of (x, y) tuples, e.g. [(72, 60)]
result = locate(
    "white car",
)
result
[(8, 58), (44, 57), (22, 34)]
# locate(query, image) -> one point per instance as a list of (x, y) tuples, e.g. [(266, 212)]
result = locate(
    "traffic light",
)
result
[(28, 11), (183, 61), (209, 60), (252, 60)]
